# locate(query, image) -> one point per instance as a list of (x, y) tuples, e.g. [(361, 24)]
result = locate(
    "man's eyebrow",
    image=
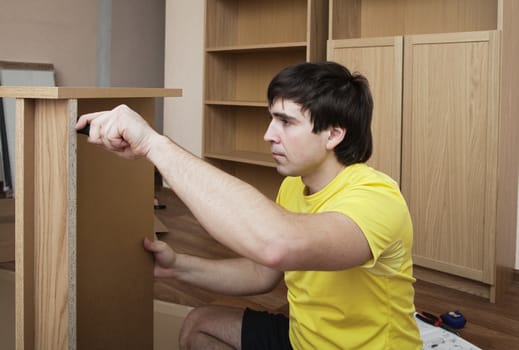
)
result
[(282, 115)]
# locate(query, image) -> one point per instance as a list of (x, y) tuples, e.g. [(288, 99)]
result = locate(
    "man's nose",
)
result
[(269, 135)]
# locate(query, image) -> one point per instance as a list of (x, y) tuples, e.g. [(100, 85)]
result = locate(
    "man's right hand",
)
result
[(121, 130)]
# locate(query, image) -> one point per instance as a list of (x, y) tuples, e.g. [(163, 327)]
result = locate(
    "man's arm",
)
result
[(238, 276), (233, 212)]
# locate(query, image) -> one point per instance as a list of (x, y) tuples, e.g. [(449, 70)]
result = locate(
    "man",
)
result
[(340, 232)]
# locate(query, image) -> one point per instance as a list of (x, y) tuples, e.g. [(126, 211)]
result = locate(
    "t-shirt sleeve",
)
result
[(382, 215)]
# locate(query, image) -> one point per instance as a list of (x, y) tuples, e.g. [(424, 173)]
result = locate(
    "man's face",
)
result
[(296, 150)]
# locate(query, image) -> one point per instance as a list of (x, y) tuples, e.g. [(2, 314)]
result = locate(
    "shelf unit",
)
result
[(75, 205), (247, 43), (443, 76)]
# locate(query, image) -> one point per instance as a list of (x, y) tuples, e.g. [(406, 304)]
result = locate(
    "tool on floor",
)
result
[(435, 321), (455, 319)]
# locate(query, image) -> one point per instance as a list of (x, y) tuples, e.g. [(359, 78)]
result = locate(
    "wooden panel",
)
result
[(115, 212), (374, 18), (246, 75), (380, 61), (255, 71), (266, 179), (24, 225), (236, 133), (85, 92), (508, 164), (270, 21), (344, 19), (317, 21), (449, 149), (54, 221), (221, 22), (232, 22), (250, 131)]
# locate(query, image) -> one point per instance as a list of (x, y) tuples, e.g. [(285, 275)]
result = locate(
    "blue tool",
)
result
[(454, 319)]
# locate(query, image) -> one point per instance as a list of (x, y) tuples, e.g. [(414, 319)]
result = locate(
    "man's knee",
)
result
[(190, 326), (214, 321)]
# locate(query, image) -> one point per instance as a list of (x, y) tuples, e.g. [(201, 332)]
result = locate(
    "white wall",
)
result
[(184, 68)]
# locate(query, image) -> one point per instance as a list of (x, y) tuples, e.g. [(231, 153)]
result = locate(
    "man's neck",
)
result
[(319, 179)]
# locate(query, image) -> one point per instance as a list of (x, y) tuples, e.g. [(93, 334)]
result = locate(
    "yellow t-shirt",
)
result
[(368, 307)]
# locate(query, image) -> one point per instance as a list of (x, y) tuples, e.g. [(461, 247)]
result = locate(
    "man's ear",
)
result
[(335, 136)]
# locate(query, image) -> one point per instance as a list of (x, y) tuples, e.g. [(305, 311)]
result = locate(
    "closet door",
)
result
[(380, 61), (449, 150)]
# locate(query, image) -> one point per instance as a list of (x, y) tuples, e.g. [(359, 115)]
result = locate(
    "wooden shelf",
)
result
[(247, 44), (234, 22), (276, 47), (245, 157), (237, 103), (70, 196), (85, 92)]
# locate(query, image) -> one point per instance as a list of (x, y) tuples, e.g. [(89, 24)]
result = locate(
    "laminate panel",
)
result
[(449, 150), (380, 61)]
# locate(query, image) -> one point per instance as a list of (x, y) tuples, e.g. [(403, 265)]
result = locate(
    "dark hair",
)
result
[(334, 97)]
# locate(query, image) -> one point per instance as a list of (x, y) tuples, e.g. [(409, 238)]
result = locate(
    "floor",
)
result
[(489, 326)]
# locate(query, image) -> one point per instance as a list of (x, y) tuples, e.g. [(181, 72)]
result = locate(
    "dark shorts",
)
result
[(263, 330)]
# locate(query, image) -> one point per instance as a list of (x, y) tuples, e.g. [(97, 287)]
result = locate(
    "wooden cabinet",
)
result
[(83, 279), (381, 61), (454, 78), (247, 43)]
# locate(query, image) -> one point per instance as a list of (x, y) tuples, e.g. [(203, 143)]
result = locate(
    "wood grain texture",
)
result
[(85, 92), (380, 60), (54, 151), (449, 150), (375, 18)]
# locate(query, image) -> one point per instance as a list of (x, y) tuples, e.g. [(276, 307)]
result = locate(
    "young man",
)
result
[(340, 232)]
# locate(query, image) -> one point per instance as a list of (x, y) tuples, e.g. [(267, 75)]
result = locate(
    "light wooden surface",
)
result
[(83, 279), (449, 157), (54, 222), (380, 60), (374, 18), (85, 92), (255, 22)]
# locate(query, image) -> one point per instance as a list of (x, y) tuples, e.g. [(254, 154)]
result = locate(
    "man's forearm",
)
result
[(238, 276), (232, 211)]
